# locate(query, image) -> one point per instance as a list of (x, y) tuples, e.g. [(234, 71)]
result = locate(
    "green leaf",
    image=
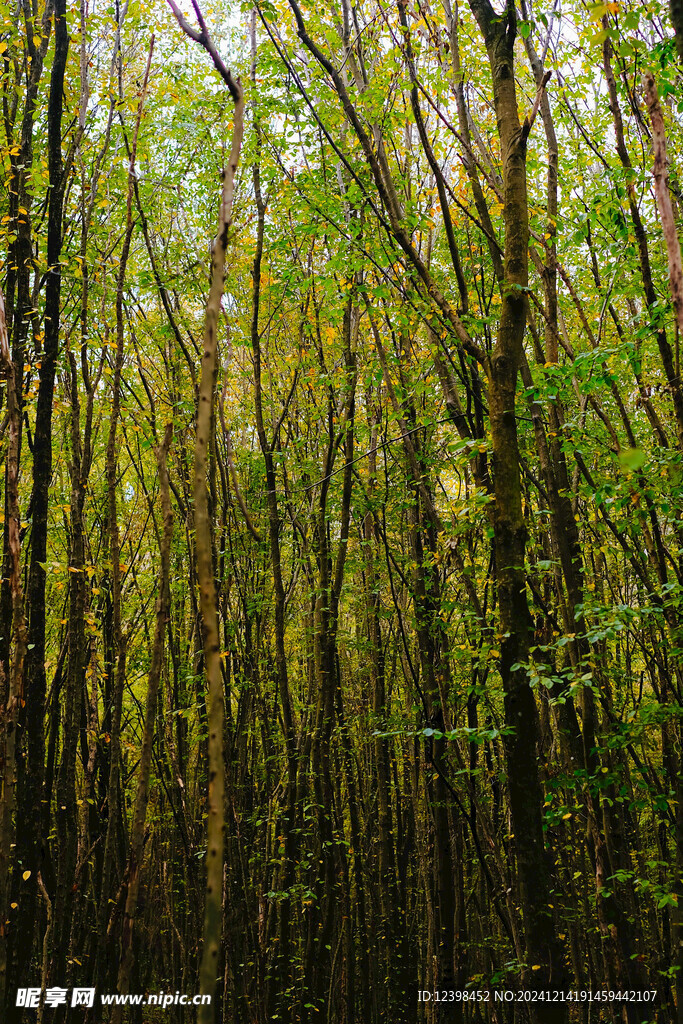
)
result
[(631, 459)]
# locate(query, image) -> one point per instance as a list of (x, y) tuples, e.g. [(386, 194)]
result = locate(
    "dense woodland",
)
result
[(341, 423)]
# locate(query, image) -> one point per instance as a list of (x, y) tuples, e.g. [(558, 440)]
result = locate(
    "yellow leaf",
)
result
[(14, 906), (26, 875)]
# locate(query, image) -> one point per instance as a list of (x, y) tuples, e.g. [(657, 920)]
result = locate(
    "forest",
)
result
[(341, 426)]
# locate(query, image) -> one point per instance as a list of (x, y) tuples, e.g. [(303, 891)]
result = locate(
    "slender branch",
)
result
[(531, 116), (203, 37)]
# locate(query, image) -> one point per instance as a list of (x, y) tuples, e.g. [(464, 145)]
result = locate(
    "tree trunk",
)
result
[(205, 574)]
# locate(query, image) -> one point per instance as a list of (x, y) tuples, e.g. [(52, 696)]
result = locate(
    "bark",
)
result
[(391, 933), (205, 573), (137, 834), (21, 317), (12, 684), (268, 449), (676, 13), (660, 173), (31, 799), (543, 947), (119, 643)]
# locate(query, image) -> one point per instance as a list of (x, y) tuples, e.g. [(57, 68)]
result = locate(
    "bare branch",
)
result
[(203, 37), (531, 116)]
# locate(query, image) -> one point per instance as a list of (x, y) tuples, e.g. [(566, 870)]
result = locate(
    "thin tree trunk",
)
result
[(526, 797), (118, 656), (31, 793), (137, 835), (205, 573), (12, 687)]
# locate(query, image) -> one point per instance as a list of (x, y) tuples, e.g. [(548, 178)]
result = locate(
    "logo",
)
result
[(54, 997)]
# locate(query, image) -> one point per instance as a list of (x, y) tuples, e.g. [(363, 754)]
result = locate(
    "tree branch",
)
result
[(203, 37)]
